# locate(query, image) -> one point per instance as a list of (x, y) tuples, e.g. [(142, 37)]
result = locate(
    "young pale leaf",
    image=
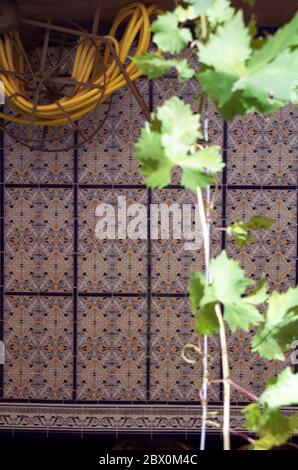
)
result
[(284, 38), (220, 51), (279, 329), (240, 230), (167, 34), (240, 82), (228, 286), (219, 12), (259, 294), (200, 6), (274, 82), (282, 391), (180, 128), (184, 14), (195, 179), (154, 65), (170, 140)]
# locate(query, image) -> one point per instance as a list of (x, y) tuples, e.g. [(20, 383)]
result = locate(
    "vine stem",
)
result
[(222, 334), (206, 239), (226, 378)]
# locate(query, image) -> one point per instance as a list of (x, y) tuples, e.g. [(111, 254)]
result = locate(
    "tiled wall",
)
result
[(85, 320)]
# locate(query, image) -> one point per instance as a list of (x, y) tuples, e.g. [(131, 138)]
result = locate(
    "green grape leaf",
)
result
[(196, 290), (167, 34), (279, 329), (154, 65), (273, 427), (257, 222), (206, 321), (208, 159), (193, 179), (184, 14), (170, 140), (200, 6), (228, 286), (240, 81), (259, 294), (265, 418), (180, 128), (219, 12), (282, 391), (240, 230), (284, 38), (273, 81), (220, 51)]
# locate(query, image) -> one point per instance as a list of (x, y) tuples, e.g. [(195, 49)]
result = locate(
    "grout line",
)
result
[(149, 269), (235, 187), (2, 258), (75, 268)]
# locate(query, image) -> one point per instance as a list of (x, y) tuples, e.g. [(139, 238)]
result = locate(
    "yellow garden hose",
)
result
[(86, 68)]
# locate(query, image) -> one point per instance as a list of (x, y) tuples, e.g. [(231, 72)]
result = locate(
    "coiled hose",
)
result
[(86, 68)]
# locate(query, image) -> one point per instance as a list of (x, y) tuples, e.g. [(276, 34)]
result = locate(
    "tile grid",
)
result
[(225, 188)]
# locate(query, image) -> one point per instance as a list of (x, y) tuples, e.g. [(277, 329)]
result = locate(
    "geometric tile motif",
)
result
[(172, 378), (38, 235), (109, 265), (111, 362), (263, 150), (274, 251), (110, 158), (248, 369), (23, 165), (38, 340), (171, 261)]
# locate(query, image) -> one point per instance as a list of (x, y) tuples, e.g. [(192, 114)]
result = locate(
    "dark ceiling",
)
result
[(270, 12)]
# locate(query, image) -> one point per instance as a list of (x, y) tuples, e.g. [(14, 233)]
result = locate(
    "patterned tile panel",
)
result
[(171, 260), (23, 165), (107, 265), (263, 150), (109, 159), (172, 378), (112, 349), (274, 251), (39, 239), (274, 254), (38, 340)]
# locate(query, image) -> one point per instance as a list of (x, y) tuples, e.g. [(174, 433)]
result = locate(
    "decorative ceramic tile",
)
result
[(110, 157), (112, 349), (172, 378), (118, 265), (263, 150), (39, 240), (248, 369), (172, 262), (23, 165), (274, 251), (38, 347)]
